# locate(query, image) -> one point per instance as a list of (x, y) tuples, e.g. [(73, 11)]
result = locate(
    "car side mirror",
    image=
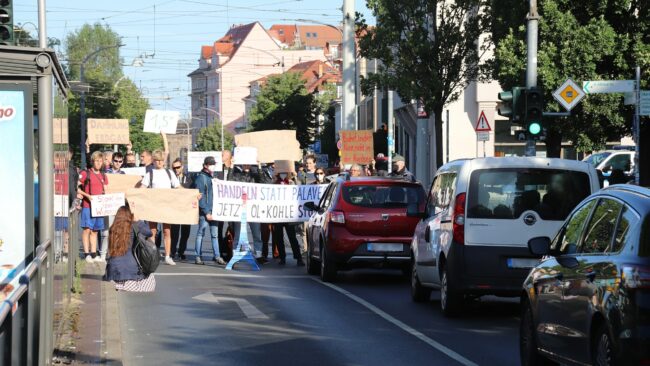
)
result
[(540, 245), (311, 206), (413, 210)]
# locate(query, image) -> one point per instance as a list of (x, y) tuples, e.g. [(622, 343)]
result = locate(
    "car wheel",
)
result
[(327, 268), (312, 265), (528, 353), (450, 300), (603, 351), (419, 293)]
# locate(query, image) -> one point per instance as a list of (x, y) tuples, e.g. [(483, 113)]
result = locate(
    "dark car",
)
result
[(361, 222), (588, 302)]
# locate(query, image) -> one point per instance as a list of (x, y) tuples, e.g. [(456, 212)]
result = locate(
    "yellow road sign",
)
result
[(569, 94)]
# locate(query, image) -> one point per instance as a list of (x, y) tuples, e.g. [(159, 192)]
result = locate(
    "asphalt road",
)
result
[(205, 315)]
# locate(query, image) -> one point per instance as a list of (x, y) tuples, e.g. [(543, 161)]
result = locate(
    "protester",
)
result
[(130, 160), (320, 177), (248, 175), (122, 267), (267, 229), (116, 166), (108, 160), (159, 177), (180, 231), (285, 176), (145, 159), (91, 183), (380, 165), (307, 177), (226, 174), (400, 170), (203, 182), (355, 170)]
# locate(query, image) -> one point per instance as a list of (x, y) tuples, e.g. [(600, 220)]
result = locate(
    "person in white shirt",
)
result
[(160, 177)]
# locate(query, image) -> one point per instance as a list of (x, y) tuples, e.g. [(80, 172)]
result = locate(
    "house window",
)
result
[(281, 31), (308, 34), (315, 35)]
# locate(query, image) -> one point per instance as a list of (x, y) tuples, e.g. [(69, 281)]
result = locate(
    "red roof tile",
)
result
[(286, 33)]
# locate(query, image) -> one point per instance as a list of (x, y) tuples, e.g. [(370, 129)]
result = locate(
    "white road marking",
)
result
[(246, 307), (450, 353)]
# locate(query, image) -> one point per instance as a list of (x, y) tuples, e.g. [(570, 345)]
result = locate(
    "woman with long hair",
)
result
[(122, 267), (320, 176)]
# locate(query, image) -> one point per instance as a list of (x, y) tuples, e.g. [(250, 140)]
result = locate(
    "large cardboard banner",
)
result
[(357, 147), (272, 145), (169, 206), (156, 121), (108, 131), (195, 160), (269, 203), (121, 183), (60, 130), (106, 204)]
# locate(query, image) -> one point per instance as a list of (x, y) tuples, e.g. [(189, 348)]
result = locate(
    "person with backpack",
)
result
[(160, 177), (92, 182), (123, 266)]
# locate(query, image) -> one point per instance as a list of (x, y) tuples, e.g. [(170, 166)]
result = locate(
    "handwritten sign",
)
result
[(357, 147), (106, 204), (60, 132), (121, 183), (169, 206), (195, 160), (245, 155), (141, 171), (269, 203), (272, 145), (108, 131), (156, 121)]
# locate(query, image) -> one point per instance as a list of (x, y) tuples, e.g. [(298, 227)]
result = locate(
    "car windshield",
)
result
[(595, 159), (507, 193), (382, 196)]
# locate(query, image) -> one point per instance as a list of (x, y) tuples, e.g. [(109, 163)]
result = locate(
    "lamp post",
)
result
[(82, 100), (220, 121)]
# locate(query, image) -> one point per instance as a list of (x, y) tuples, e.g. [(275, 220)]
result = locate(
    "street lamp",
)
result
[(220, 120)]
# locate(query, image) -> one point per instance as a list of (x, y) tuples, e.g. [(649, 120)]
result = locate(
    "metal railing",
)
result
[(21, 329)]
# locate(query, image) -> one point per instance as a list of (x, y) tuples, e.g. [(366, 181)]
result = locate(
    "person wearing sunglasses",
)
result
[(116, 164), (320, 177), (180, 231)]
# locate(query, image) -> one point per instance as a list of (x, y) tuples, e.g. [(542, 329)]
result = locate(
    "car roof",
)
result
[(636, 196), (373, 179), (518, 162)]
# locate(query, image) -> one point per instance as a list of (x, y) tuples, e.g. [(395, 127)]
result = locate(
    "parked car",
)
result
[(588, 302), (361, 221), (480, 213), (617, 166)]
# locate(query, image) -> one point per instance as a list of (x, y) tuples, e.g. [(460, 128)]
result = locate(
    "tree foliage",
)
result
[(427, 48), (285, 104), (592, 40), (209, 138)]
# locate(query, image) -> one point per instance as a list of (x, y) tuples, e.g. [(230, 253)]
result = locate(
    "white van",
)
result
[(480, 213)]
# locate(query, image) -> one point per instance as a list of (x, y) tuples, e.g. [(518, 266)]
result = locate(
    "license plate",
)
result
[(380, 247), (522, 262)]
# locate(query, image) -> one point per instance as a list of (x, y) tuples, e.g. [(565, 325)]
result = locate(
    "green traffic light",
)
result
[(534, 128)]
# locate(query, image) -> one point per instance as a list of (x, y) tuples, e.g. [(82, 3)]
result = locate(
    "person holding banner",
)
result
[(284, 174), (91, 182), (180, 231), (159, 177), (245, 174), (203, 182), (226, 174)]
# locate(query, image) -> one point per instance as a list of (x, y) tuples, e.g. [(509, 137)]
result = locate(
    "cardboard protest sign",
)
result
[(156, 121), (284, 166), (108, 131), (169, 206), (357, 147), (60, 130), (139, 171), (61, 205), (272, 145), (121, 183), (245, 155), (268, 203), (195, 160), (106, 204)]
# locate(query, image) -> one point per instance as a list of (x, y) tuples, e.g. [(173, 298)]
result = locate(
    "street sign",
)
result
[(608, 86), (483, 136), (482, 125), (644, 103), (569, 94)]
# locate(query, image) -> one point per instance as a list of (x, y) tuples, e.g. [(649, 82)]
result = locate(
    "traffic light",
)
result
[(511, 105), (534, 111), (6, 23)]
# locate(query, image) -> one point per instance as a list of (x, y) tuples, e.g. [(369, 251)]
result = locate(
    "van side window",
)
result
[(568, 240), (442, 193), (433, 196), (600, 231)]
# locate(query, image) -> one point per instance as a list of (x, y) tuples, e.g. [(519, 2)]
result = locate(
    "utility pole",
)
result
[(531, 62), (391, 132), (636, 126), (349, 109)]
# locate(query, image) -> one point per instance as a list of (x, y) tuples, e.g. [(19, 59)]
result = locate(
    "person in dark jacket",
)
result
[(121, 267), (400, 170), (248, 174), (180, 232), (203, 182)]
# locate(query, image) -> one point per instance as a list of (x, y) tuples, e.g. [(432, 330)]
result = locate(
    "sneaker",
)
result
[(262, 260), (182, 257), (282, 262), (170, 261), (100, 259), (300, 263), (89, 259), (198, 260), (219, 260)]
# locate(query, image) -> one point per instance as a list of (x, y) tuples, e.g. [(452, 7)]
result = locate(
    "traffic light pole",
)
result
[(531, 63)]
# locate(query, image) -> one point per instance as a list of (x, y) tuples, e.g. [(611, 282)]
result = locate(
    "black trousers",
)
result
[(278, 237), (181, 232)]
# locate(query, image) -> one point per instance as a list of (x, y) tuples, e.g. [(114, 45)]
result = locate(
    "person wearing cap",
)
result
[(203, 182), (399, 169), (381, 165)]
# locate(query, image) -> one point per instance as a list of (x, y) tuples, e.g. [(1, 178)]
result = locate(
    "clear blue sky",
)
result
[(174, 34)]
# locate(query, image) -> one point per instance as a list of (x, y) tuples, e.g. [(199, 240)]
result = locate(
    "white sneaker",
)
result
[(170, 261), (100, 259), (89, 259)]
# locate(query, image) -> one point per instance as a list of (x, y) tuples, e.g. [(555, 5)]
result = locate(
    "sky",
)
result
[(168, 34)]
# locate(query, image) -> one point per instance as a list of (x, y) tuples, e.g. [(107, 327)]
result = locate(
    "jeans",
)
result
[(214, 234), (256, 231)]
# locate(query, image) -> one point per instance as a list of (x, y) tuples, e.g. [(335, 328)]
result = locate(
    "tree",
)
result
[(285, 104), (428, 50), (209, 138), (579, 40)]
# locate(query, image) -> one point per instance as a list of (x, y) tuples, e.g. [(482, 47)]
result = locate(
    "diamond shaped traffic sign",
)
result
[(569, 94)]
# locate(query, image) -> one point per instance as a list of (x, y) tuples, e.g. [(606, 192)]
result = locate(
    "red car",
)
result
[(362, 222)]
